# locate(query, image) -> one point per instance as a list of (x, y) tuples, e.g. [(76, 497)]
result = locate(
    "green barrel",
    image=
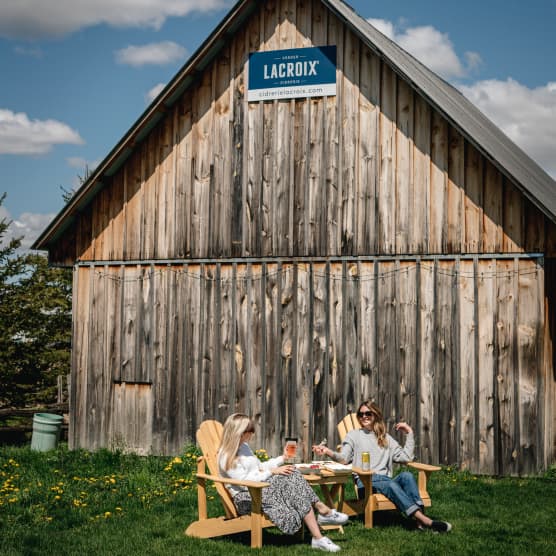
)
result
[(46, 431)]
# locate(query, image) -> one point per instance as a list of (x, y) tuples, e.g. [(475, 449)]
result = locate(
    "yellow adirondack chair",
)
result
[(376, 502), (209, 436)]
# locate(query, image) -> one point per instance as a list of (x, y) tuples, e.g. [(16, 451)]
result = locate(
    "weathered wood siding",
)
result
[(278, 258), (373, 170), (454, 346)]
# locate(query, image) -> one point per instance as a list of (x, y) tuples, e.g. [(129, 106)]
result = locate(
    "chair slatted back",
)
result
[(209, 437), (348, 423)]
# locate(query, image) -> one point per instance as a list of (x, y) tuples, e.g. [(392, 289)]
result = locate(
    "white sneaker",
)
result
[(333, 518), (324, 543)]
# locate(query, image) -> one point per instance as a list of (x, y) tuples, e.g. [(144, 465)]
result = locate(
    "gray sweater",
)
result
[(361, 440)]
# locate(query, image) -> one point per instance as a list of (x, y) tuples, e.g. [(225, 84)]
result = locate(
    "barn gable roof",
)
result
[(532, 180)]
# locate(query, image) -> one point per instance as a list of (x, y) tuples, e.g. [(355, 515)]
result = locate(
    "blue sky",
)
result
[(76, 74)]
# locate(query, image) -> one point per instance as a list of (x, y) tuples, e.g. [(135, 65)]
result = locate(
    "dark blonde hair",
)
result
[(378, 425), (235, 425)]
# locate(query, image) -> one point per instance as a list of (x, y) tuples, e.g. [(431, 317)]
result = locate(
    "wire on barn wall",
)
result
[(305, 267)]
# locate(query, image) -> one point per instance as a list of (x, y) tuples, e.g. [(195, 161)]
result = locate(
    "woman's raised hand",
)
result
[(404, 427), (320, 450)]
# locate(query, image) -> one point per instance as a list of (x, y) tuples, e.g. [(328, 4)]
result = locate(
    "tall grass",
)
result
[(82, 503)]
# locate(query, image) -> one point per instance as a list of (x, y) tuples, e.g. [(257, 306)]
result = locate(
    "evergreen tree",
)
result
[(35, 324)]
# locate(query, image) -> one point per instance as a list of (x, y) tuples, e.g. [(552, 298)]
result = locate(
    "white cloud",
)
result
[(154, 92), (81, 163), (526, 116), (20, 135), (29, 226), (431, 47), (42, 18), (158, 53), (29, 51)]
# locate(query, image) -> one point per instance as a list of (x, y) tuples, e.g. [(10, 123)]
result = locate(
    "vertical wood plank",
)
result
[(508, 435), (387, 168), (253, 201), (367, 329), (272, 387), (438, 184), (474, 173), (301, 176), (149, 206), (287, 350), (352, 324), (406, 315), (243, 396), (349, 152), (369, 74), (165, 188), (132, 180), (513, 219), (492, 209), (467, 362), (282, 184), (420, 221), (316, 206), (332, 144), (319, 353), (404, 166), (225, 396), (304, 363), (446, 355), (336, 402), (159, 300), (238, 59), (222, 153), (530, 323), (95, 370), (183, 179), (202, 166), (428, 437), (486, 292), (534, 228), (387, 343), (456, 192)]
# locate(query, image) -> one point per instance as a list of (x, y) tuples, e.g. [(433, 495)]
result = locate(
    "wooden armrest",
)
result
[(360, 471), (423, 466), (228, 481)]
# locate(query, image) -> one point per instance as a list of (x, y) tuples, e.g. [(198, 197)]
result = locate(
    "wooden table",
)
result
[(332, 486)]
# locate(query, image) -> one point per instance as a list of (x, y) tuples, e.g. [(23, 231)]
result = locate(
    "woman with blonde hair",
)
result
[(288, 500), (384, 450)]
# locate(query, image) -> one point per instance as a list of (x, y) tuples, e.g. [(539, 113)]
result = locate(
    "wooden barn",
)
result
[(292, 253)]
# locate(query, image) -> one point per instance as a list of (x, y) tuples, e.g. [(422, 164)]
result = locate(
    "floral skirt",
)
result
[(286, 501)]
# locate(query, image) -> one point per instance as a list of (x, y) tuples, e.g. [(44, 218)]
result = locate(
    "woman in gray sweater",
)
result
[(384, 451)]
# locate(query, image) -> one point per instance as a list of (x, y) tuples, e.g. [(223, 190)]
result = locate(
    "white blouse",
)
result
[(247, 466)]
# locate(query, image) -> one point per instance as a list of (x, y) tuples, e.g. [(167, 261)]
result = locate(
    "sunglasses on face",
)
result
[(250, 429), (362, 414)]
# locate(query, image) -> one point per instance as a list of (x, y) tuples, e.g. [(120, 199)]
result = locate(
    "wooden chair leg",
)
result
[(256, 518)]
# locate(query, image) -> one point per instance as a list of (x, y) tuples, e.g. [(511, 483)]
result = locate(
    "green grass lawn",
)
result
[(81, 503)]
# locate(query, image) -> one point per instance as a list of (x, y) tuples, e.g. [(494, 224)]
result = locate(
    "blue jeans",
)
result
[(401, 490)]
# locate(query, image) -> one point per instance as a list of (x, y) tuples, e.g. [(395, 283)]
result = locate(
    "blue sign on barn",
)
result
[(293, 73)]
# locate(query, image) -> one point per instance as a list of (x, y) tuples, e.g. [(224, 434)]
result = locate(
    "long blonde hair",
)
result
[(378, 426), (235, 425)]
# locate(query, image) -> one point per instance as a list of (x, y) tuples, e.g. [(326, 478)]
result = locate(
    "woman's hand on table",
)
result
[(283, 470)]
